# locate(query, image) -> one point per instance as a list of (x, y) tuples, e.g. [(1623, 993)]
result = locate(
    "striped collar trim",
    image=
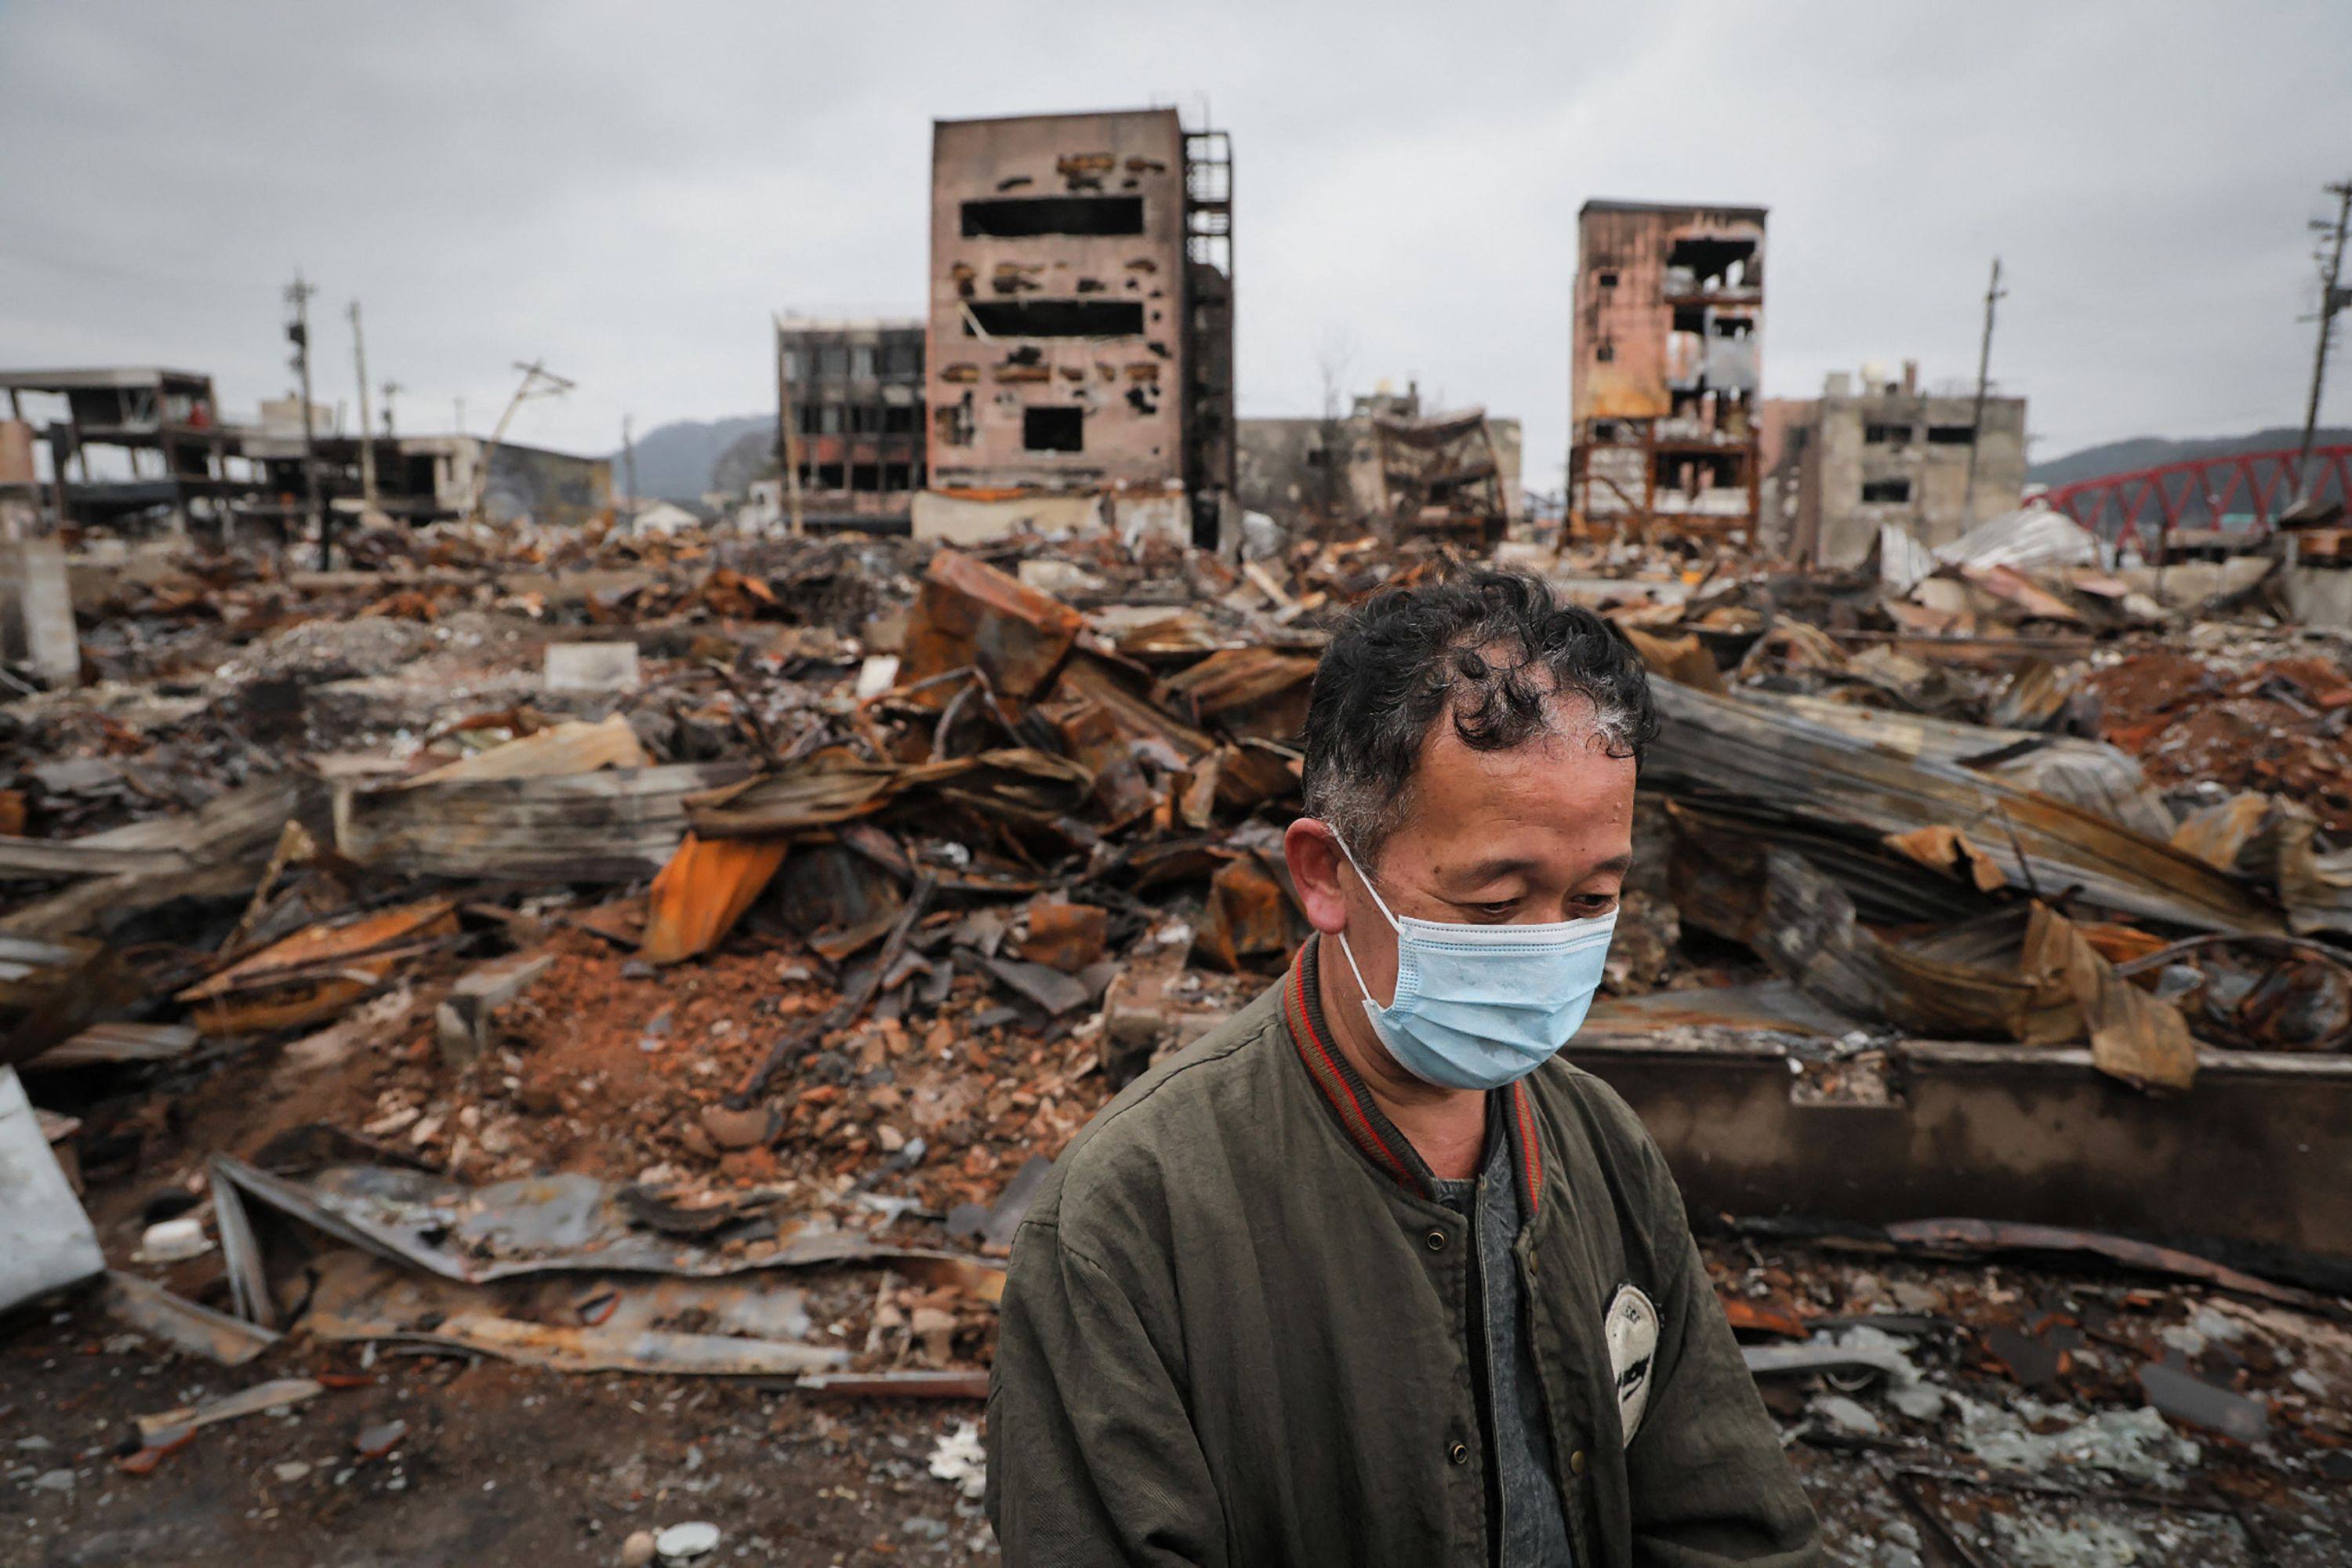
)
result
[(1361, 1117)]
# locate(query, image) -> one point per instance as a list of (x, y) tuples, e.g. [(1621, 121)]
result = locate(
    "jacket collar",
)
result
[(1359, 1116)]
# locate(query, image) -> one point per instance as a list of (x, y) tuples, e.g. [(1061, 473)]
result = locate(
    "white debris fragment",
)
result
[(1841, 1412), (684, 1543), (172, 1241), (959, 1457)]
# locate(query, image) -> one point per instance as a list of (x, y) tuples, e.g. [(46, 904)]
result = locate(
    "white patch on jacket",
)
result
[(1633, 1332)]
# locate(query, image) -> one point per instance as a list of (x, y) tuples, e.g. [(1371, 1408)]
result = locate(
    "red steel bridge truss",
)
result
[(2243, 490)]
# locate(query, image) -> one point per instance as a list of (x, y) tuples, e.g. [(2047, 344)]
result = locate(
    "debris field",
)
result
[(540, 1038)]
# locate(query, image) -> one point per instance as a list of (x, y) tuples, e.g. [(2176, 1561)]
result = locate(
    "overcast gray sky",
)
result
[(630, 189)]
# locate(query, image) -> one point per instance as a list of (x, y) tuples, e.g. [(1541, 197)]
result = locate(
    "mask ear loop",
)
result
[(1350, 952)]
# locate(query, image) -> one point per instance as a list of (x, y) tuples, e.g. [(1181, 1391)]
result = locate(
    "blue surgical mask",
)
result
[(1478, 1006)]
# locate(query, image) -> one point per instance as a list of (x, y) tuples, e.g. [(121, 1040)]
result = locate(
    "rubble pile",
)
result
[(687, 954)]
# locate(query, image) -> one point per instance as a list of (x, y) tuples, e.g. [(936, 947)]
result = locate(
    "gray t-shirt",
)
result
[(1532, 1528)]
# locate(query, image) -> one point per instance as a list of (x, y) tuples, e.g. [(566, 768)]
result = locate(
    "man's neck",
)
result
[(1447, 1127)]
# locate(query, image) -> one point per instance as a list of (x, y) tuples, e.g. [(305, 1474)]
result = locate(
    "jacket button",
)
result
[(1459, 1453), (1576, 1463), (1436, 1241)]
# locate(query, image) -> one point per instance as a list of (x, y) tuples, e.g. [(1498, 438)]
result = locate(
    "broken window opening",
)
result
[(1027, 217), (897, 419), (897, 476), (1606, 353), (828, 476), (865, 477), (1694, 474), (810, 416), (1053, 429), (1951, 434), (1690, 319), (1723, 263), (952, 423), (1053, 319), (1606, 278), (1734, 326), (1886, 489), (1876, 433)]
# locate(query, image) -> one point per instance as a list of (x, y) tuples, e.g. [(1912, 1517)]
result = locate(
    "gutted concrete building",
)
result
[(1879, 449), (1081, 313), (124, 444), (1668, 367), (849, 411)]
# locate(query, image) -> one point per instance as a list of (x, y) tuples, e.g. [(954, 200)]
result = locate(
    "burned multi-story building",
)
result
[(1884, 450), (1081, 313), (849, 414), (1668, 367)]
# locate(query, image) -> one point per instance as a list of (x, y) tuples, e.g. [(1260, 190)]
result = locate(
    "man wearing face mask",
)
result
[(1370, 1276)]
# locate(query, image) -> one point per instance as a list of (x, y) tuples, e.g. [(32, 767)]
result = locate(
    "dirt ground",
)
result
[(498, 1464)]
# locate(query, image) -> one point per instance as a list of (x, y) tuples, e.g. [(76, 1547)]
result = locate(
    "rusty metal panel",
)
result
[(972, 615)]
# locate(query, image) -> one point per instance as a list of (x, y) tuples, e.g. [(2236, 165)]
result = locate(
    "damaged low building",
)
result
[(428, 478), (1668, 363), (1387, 466), (1081, 323), (1881, 450), (849, 414)]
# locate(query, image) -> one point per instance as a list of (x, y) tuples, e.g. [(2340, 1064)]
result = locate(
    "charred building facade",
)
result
[(1879, 449), (849, 414), (1081, 310), (1668, 367)]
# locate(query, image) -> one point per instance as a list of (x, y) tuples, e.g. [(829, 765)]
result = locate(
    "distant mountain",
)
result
[(2154, 451), (676, 462), (750, 455)]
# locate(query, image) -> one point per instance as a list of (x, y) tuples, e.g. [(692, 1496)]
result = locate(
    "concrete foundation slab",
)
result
[(965, 520)]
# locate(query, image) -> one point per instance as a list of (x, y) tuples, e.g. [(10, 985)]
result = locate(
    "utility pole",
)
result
[(788, 422), (367, 423), (2333, 298), (1975, 420), (297, 332), (536, 382), (390, 389), (629, 461)]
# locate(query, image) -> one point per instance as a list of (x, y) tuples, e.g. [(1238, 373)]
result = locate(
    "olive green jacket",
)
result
[(1235, 1332)]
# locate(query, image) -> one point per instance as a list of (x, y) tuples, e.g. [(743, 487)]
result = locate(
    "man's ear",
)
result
[(1313, 856)]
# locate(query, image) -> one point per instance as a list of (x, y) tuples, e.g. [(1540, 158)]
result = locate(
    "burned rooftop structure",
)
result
[(1668, 368)]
